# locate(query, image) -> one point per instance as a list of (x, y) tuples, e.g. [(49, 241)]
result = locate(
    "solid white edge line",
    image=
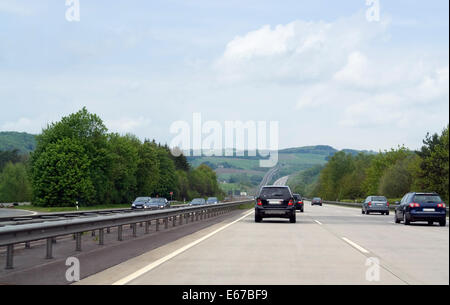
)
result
[(160, 261), (361, 249)]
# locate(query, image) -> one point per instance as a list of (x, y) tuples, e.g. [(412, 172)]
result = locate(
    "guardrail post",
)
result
[(93, 233), (78, 241), (119, 233), (166, 223), (9, 256), (134, 225), (101, 234), (196, 216), (174, 221), (49, 248), (157, 225), (27, 245), (108, 230), (192, 217), (147, 226)]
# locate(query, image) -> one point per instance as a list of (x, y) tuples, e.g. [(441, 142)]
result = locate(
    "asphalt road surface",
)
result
[(327, 245), (5, 212), (282, 181)]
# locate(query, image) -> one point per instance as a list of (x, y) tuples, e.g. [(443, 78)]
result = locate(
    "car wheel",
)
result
[(397, 220), (387, 213), (302, 210), (293, 218), (362, 212), (443, 222), (367, 212), (430, 223), (258, 217), (406, 221)]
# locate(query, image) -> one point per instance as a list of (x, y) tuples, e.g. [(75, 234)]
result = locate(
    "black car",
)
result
[(299, 202), (158, 203), (275, 202), (427, 207), (141, 203), (317, 201)]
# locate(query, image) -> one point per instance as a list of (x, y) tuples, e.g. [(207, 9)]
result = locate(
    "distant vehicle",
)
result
[(212, 200), (198, 201), (299, 202), (158, 203), (275, 202), (421, 207), (317, 201), (140, 202), (377, 204)]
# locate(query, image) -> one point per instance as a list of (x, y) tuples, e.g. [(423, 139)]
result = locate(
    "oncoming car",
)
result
[(275, 202), (198, 201), (158, 203), (212, 200), (140, 202)]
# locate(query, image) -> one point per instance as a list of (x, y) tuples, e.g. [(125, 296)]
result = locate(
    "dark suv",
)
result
[(299, 202), (421, 207), (275, 202)]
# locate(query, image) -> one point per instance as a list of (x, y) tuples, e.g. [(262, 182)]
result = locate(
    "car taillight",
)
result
[(414, 205), (441, 205), (259, 202), (291, 202), (370, 203), (387, 203), (300, 202)]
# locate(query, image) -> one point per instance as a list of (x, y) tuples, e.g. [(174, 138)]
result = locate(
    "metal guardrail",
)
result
[(26, 233), (42, 217)]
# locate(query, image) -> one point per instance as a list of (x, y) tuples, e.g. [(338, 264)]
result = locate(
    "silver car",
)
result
[(375, 204)]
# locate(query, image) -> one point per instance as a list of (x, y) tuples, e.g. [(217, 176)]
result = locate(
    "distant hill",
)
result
[(10, 140)]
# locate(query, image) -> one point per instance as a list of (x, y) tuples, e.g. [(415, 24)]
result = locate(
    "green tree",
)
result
[(61, 174), (90, 134), (14, 183), (124, 156), (148, 169), (434, 168)]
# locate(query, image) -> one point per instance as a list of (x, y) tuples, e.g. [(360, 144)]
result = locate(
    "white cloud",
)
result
[(15, 8), (24, 124), (127, 125)]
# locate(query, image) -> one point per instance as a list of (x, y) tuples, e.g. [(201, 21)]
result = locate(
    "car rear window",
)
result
[(379, 198), (427, 199), (275, 193)]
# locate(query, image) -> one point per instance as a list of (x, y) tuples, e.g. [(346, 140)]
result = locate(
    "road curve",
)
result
[(327, 245), (281, 181)]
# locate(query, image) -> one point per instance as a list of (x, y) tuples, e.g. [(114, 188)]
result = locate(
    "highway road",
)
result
[(327, 245), (281, 181), (5, 212)]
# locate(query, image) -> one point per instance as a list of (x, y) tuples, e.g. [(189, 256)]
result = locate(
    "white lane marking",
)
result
[(155, 264), (355, 245), (318, 222)]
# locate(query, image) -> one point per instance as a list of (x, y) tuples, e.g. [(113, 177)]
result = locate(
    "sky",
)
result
[(324, 71)]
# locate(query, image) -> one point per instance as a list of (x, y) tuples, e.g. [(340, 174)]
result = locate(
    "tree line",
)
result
[(78, 160), (390, 173)]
